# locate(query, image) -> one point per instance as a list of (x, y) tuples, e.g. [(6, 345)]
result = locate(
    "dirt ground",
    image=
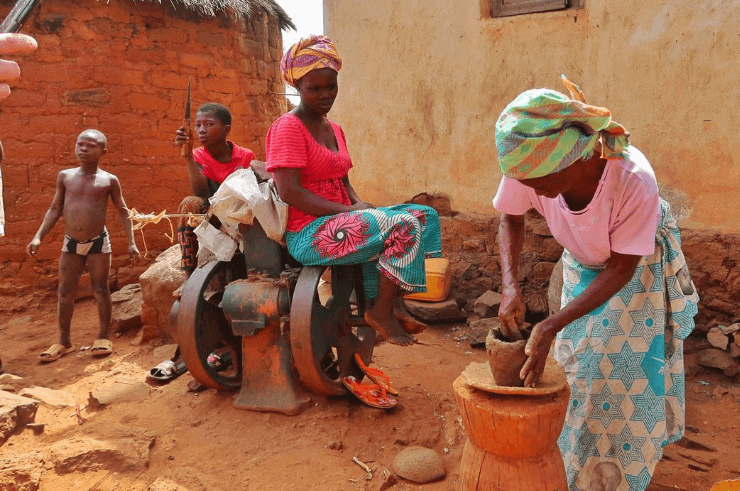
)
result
[(202, 442)]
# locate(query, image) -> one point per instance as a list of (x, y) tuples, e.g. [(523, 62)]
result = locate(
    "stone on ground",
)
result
[(732, 329), (122, 451), (383, 478), (163, 353), (12, 383), (126, 310), (479, 330), (419, 464), (734, 350), (487, 304), (434, 311), (716, 358), (50, 397), (164, 484), (717, 338), (15, 412), (21, 472), (120, 389)]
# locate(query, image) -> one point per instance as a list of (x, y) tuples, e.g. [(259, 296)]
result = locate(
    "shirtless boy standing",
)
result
[(82, 197)]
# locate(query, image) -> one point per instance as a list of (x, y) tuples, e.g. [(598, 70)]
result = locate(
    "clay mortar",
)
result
[(506, 358)]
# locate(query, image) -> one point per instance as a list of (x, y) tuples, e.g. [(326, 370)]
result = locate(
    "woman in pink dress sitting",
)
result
[(328, 223)]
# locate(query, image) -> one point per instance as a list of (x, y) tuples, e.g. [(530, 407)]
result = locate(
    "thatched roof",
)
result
[(241, 7)]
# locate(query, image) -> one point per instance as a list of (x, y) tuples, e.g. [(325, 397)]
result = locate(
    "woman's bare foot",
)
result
[(390, 329), (408, 323)]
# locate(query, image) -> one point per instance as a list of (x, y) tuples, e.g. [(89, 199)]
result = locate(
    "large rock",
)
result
[(435, 311), (419, 464), (15, 412), (120, 389), (157, 284), (21, 472), (50, 397), (126, 450), (126, 311), (129, 274)]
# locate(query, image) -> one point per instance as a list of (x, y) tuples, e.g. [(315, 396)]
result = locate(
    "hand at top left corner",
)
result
[(13, 44)]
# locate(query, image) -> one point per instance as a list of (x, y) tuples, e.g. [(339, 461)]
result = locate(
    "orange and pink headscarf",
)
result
[(308, 54)]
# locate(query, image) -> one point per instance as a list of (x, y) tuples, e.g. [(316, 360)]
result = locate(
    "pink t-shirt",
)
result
[(290, 145), (622, 217)]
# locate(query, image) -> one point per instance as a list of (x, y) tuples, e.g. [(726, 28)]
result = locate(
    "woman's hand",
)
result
[(511, 312), (537, 349), (361, 205)]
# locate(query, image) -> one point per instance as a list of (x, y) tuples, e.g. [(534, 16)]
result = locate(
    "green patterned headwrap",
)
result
[(543, 131)]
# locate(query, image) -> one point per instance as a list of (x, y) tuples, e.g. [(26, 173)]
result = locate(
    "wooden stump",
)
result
[(512, 440)]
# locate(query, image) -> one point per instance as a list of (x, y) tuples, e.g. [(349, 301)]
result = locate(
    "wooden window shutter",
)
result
[(502, 8)]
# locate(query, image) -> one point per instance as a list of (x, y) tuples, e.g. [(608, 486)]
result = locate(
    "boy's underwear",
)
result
[(96, 245)]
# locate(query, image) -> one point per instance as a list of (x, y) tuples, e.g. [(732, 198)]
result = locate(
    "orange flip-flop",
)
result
[(372, 395), (377, 376)]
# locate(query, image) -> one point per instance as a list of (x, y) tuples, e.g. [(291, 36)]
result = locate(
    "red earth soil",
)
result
[(202, 442)]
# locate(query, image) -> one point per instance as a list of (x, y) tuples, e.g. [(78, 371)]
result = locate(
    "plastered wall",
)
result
[(423, 84)]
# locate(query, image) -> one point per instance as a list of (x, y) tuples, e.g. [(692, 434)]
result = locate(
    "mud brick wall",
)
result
[(122, 67)]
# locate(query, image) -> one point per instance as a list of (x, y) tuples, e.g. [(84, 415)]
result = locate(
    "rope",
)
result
[(144, 219)]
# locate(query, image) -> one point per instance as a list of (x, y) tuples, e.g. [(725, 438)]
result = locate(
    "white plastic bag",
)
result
[(219, 243), (241, 199)]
